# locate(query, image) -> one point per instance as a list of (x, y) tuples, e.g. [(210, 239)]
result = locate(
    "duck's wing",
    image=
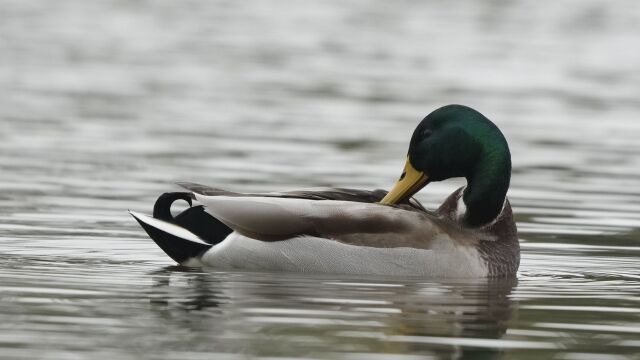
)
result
[(338, 194), (276, 218)]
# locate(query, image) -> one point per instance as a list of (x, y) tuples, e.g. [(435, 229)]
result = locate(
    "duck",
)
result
[(472, 234)]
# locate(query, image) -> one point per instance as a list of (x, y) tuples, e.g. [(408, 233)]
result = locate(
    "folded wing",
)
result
[(341, 194), (271, 218)]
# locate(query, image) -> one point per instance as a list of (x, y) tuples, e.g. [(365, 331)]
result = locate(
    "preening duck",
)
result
[(472, 234)]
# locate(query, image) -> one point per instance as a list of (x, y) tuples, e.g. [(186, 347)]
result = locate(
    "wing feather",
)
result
[(339, 194), (270, 218)]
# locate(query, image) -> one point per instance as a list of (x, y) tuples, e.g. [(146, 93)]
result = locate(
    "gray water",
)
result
[(103, 105)]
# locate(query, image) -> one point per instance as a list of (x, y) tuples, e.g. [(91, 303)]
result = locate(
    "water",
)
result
[(105, 104)]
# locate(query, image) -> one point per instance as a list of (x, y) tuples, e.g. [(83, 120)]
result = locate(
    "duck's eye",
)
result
[(426, 133)]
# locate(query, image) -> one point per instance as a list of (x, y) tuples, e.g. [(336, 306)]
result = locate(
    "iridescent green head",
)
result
[(458, 141)]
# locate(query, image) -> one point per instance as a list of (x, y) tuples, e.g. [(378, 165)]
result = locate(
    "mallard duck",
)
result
[(472, 234)]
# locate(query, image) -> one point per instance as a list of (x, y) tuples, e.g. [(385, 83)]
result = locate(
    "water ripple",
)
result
[(106, 104)]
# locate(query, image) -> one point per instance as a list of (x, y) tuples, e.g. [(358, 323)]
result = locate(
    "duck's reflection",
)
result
[(336, 314), (195, 294)]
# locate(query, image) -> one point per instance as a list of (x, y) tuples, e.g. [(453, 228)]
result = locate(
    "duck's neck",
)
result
[(486, 190)]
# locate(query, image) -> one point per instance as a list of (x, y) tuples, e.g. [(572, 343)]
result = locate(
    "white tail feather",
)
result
[(167, 227)]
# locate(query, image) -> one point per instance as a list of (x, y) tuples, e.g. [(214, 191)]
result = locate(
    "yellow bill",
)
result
[(410, 182)]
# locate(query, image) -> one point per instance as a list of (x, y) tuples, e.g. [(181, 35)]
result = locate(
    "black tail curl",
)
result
[(194, 219), (162, 207)]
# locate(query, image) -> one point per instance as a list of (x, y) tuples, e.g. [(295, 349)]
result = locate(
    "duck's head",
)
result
[(458, 141)]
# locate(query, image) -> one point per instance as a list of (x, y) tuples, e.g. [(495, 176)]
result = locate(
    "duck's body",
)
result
[(334, 231), (340, 230)]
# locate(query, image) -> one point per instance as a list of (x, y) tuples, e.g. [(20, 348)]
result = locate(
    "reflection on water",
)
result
[(105, 104), (352, 315), (119, 310)]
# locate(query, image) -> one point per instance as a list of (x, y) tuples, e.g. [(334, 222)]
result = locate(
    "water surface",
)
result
[(105, 104)]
